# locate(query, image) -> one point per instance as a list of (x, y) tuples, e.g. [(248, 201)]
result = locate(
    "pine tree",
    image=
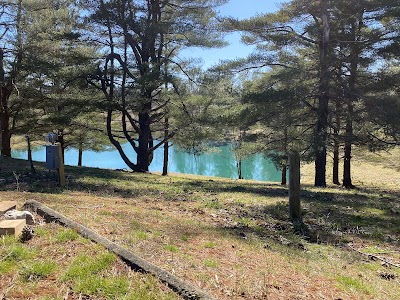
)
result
[(143, 38)]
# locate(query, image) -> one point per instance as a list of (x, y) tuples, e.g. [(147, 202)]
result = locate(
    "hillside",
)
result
[(233, 238)]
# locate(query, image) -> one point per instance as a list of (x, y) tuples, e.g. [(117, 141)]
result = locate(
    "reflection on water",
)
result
[(219, 162)]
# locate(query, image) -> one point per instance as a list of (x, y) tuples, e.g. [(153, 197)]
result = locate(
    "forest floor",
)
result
[(228, 237)]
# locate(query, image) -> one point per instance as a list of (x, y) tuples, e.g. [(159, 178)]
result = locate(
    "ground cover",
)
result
[(232, 238), (57, 263)]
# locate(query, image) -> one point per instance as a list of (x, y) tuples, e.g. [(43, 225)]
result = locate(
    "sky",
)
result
[(240, 9)]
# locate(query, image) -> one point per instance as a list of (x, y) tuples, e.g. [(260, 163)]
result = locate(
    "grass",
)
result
[(353, 284), (38, 270), (58, 261), (65, 235), (232, 238), (171, 248)]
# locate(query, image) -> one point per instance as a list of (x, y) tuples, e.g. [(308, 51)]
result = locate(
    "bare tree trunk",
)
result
[(28, 141), (5, 122), (321, 135), (80, 154), (347, 182), (335, 171), (143, 153), (336, 145), (239, 168), (294, 186), (351, 97), (61, 140), (5, 93), (283, 174), (285, 151), (166, 147)]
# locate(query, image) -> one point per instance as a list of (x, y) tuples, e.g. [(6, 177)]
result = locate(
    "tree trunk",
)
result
[(143, 153), (351, 97), (5, 122), (116, 144), (285, 151), (284, 172), (347, 182), (60, 139), (335, 171), (321, 134), (166, 147), (239, 168), (28, 141), (294, 186), (5, 93), (336, 145), (80, 154)]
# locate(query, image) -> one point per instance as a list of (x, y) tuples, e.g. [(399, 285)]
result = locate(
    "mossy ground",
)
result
[(233, 238)]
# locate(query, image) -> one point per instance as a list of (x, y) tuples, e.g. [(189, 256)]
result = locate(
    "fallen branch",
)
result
[(372, 256)]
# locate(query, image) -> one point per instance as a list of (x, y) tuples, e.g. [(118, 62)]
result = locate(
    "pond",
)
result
[(218, 162)]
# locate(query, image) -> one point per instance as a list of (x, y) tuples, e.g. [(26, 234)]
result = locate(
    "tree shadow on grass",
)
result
[(328, 218), (368, 213)]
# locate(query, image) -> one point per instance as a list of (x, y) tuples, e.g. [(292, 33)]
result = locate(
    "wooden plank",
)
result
[(12, 227), (5, 206)]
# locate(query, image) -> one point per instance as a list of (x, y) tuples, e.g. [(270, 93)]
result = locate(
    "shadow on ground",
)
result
[(331, 215)]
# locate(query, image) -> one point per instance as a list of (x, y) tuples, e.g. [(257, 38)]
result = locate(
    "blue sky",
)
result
[(240, 9)]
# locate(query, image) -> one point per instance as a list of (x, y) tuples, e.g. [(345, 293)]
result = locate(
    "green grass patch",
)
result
[(110, 287), (6, 267), (18, 252), (171, 248), (209, 244), (42, 231), (210, 263), (37, 270), (7, 240), (65, 235), (141, 235), (213, 204), (85, 266), (353, 284)]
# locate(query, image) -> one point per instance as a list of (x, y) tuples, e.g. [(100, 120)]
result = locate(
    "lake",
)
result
[(219, 162)]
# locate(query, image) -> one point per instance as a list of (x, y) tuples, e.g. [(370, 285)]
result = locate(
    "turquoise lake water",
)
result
[(219, 162)]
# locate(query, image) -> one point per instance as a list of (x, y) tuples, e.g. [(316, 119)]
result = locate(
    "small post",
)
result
[(294, 186), (61, 171)]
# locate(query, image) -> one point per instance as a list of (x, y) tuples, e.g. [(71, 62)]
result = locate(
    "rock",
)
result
[(17, 214)]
